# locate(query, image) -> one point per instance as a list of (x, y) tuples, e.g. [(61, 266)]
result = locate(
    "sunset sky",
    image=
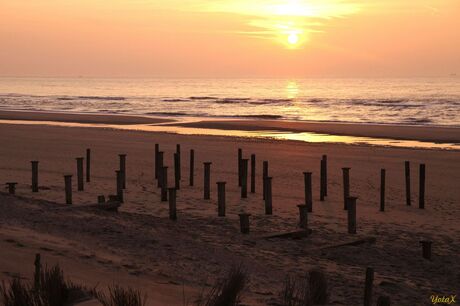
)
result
[(223, 38)]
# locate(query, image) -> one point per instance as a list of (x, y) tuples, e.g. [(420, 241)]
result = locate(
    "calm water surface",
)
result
[(433, 101)]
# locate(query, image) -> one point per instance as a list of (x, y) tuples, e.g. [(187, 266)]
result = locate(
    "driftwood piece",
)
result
[(108, 206), (368, 240), (299, 234)]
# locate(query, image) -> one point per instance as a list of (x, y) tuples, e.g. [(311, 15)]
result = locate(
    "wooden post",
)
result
[(244, 223), (80, 181), (351, 207), (160, 168), (268, 196), (244, 178), (164, 184), (264, 176), (253, 173), (11, 188), (37, 272), (421, 198), (368, 285), (157, 149), (192, 167), (383, 300), (207, 180), (172, 204), (308, 191), (34, 176), (426, 249), (221, 199), (68, 189), (88, 165), (346, 186), (322, 184), (178, 162), (240, 157), (303, 216), (123, 169), (119, 185), (177, 171), (407, 170), (101, 199), (325, 175), (382, 190)]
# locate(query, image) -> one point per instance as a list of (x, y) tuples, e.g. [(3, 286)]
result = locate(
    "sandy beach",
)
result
[(173, 260)]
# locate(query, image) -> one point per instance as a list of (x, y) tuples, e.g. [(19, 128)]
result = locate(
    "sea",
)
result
[(402, 101)]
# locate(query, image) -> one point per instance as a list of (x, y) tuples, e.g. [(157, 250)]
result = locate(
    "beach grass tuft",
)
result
[(119, 296), (311, 289), (228, 290)]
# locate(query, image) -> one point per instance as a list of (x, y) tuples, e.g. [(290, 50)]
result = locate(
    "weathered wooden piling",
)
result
[(240, 157), (80, 180), (221, 199), (101, 199), (407, 172), (244, 178), (368, 286), (156, 169), (346, 186), (244, 223), (383, 300), (322, 179), (351, 207), (426, 249), (308, 191), (382, 190), (88, 165), (177, 170), (11, 187), (160, 168), (68, 189), (34, 175), (207, 180), (264, 176), (253, 173), (325, 175), (172, 204), (303, 216), (123, 169), (192, 167), (268, 196), (421, 197), (164, 183), (37, 272), (119, 185)]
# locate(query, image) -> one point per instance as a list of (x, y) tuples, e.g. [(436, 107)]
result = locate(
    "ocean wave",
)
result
[(175, 100), (261, 116), (203, 98), (175, 114), (418, 120), (98, 98)]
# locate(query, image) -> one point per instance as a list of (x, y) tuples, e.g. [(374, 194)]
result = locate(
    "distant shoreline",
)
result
[(434, 134)]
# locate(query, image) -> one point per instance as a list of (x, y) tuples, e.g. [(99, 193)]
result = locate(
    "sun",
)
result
[(293, 38)]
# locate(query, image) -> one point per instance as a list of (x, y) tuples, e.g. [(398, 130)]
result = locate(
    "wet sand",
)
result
[(141, 247), (420, 133), (79, 118)]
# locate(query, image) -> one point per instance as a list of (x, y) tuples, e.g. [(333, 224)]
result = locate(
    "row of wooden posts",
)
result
[(161, 174)]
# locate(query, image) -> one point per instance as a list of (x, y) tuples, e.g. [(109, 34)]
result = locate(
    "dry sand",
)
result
[(141, 247)]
